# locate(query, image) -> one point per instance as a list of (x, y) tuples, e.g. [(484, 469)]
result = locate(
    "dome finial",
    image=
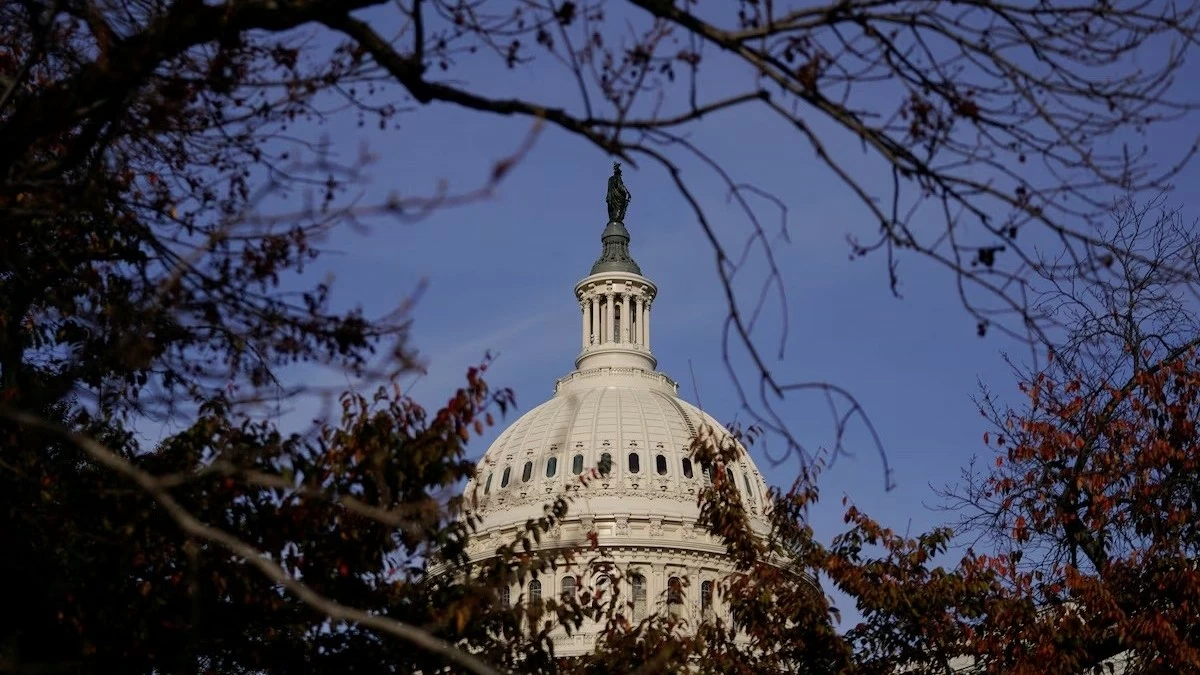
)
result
[(618, 196)]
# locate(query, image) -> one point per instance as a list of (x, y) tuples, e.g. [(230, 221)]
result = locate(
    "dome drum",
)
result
[(684, 583)]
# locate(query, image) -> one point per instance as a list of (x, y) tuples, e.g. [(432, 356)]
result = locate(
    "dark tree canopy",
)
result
[(159, 192)]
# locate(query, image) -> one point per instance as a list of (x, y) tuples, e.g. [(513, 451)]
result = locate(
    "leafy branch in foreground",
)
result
[(201, 532)]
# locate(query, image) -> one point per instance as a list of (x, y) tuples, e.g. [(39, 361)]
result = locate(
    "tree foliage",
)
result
[(1091, 503), (161, 198)]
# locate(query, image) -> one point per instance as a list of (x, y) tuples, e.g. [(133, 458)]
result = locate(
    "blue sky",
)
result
[(500, 274)]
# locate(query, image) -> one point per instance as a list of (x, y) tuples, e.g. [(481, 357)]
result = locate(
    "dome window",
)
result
[(577, 465), (660, 463), (635, 463), (535, 591), (729, 477), (605, 464), (707, 470), (487, 487), (527, 472), (551, 467), (639, 596), (675, 596), (687, 468), (504, 478), (749, 490), (505, 597), (706, 597), (568, 588)]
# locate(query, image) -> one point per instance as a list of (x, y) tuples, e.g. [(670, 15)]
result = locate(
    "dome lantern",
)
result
[(615, 298)]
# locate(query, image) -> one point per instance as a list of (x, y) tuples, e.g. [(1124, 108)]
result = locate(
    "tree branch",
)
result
[(154, 487)]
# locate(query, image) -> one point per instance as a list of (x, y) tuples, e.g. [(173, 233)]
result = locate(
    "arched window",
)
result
[(487, 487), (706, 589), (505, 597), (635, 463), (749, 490), (551, 467), (639, 596), (568, 588), (535, 591), (687, 468), (504, 478), (605, 464), (577, 465), (707, 470), (729, 477), (527, 472), (660, 463), (674, 595)]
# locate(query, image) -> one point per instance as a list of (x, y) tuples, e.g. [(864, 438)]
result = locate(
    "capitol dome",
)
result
[(621, 424)]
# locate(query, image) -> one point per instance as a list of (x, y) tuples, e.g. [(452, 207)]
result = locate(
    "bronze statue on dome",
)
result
[(618, 196)]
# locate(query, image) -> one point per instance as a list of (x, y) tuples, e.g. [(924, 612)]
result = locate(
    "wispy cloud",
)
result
[(516, 340)]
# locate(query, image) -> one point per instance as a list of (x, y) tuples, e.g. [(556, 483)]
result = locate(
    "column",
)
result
[(594, 309), (584, 311), (608, 319), (646, 324), (641, 315), (626, 320), (657, 585), (691, 592)]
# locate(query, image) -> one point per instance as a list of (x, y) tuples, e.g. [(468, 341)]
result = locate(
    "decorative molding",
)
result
[(622, 526), (626, 371)]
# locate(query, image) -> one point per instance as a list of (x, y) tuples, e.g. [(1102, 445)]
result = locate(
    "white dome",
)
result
[(635, 417)]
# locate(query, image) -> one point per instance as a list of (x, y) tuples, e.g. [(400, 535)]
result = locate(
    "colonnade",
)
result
[(613, 316)]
